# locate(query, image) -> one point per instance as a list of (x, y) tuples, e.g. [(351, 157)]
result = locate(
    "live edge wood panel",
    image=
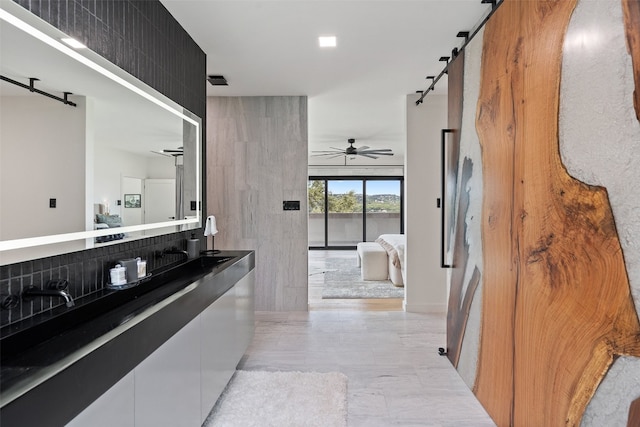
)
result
[(556, 302), (631, 10), (460, 296), (634, 414)]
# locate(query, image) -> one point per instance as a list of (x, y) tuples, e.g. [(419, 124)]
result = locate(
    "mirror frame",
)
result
[(14, 14)]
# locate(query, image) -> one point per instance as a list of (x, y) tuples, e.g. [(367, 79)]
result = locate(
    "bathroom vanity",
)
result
[(159, 353)]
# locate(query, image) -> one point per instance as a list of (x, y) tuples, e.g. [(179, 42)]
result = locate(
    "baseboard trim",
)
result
[(424, 308)]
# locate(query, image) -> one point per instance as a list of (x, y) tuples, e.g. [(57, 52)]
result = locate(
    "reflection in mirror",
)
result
[(123, 163)]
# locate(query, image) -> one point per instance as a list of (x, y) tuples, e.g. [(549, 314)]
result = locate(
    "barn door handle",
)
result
[(443, 197)]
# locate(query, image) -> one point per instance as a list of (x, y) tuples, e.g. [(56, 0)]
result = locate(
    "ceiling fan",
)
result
[(170, 152), (364, 151)]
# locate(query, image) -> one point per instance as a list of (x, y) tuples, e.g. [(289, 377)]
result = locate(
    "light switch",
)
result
[(52, 203), (291, 205)]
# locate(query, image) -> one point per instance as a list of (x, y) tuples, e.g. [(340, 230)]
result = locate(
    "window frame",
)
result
[(364, 179)]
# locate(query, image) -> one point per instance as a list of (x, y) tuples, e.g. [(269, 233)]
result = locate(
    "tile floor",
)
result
[(396, 376), (390, 357)]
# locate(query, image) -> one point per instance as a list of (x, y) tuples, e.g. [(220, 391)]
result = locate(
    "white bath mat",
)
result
[(282, 399)]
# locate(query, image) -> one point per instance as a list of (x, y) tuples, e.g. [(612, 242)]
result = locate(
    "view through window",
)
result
[(345, 211)]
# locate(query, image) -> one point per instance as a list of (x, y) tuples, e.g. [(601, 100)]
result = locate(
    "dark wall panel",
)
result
[(143, 39)]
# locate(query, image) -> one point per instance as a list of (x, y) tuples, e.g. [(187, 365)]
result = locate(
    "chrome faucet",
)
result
[(55, 288)]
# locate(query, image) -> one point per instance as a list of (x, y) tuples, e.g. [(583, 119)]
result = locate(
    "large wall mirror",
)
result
[(122, 163)]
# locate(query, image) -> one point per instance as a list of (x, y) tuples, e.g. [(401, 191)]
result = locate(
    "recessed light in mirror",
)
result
[(73, 43), (327, 41)]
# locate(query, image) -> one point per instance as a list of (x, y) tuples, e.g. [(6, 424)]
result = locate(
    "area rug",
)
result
[(282, 399), (342, 280)]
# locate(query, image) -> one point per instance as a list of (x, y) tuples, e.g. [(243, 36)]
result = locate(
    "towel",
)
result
[(210, 228)]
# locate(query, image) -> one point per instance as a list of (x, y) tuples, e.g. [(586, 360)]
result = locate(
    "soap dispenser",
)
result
[(193, 246), (118, 275)]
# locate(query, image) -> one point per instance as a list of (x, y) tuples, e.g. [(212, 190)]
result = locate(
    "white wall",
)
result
[(111, 165), (160, 167), (132, 216), (425, 289), (41, 157)]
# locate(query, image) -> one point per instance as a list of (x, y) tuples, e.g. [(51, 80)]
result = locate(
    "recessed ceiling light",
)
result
[(73, 43), (327, 41)]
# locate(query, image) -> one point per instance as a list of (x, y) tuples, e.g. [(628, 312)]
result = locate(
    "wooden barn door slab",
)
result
[(556, 302), (460, 296)]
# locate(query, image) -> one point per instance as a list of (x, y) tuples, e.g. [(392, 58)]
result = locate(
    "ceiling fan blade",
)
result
[(339, 149), (363, 148), (326, 154), (378, 149), (162, 153), (379, 154), (326, 151), (367, 155)]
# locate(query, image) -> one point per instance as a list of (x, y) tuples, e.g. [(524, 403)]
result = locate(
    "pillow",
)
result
[(110, 220), (391, 251)]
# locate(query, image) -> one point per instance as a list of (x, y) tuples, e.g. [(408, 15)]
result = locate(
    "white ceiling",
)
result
[(385, 50)]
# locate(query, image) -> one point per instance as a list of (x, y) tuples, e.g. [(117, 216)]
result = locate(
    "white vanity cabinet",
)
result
[(180, 382), (114, 408), (226, 331), (167, 383), (216, 349), (163, 390), (245, 313)]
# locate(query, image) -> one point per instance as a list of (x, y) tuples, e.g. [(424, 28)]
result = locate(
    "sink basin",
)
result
[(121, 305)]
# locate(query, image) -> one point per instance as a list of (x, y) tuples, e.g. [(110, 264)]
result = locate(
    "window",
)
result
[(344, 211)]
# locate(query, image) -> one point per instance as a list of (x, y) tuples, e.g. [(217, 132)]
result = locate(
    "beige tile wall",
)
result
[(257, 158)]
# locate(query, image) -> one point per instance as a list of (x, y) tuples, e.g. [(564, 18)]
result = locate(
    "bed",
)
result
[(394, 245), (103, 220)]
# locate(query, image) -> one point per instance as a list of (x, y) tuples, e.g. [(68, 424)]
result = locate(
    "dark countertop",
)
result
[(64, 360)]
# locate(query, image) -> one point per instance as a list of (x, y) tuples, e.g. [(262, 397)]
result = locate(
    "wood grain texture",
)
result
[(634, 414), (455, 89), (556, 302), (631, 10)]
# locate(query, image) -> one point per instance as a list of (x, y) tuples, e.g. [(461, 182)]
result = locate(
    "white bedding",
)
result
[(394, 245)]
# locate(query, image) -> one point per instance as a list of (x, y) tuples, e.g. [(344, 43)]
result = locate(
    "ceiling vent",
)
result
[(218, 81)]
